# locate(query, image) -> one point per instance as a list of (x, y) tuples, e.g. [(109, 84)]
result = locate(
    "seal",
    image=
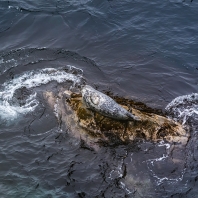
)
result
[(105, 105)]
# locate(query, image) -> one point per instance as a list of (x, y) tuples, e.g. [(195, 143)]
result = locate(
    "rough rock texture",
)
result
[(93, 127), (21, 95)]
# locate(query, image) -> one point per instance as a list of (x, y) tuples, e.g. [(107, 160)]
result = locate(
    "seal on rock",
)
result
[(105, 105)]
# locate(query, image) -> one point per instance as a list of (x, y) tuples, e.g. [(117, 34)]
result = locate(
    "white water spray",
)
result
[(31, 79)]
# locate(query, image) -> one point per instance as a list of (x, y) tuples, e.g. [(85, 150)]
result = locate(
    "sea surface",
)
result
[(143, 50)]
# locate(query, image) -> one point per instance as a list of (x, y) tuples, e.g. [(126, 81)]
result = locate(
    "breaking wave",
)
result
[(9, 110), (183, 108)]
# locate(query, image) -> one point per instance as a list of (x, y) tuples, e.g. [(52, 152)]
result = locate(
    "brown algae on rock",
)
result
[(93, 129), (96, 127)]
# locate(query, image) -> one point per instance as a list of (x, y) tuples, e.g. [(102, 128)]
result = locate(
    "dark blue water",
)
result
[(146, 51)]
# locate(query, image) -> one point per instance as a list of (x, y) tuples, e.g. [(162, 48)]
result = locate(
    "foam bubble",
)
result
[(32, 79), (7, 64), (11, 112), (117, 172), (184, 107), (14, 7), (152, 163)]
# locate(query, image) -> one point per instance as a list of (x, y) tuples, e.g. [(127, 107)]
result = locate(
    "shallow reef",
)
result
[(94, 127)]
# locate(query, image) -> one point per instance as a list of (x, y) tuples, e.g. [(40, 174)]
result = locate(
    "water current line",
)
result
[(151, 161)]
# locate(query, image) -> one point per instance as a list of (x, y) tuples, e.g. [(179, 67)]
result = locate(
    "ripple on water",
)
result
[(40, 159)]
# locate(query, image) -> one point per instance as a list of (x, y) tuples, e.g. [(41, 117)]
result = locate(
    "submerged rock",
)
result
[(21, 95), (93, 127)]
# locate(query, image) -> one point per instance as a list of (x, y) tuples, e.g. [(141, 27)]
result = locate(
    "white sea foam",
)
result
[(31, 79), (13, 7), (123, 186), (152, 162), (162, 143), (117, 172), (163, 157), (184, 107), (7, 64), (160, 180), (180, 109)]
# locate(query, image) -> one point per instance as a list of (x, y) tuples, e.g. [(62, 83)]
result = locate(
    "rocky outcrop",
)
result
[(93, 127)]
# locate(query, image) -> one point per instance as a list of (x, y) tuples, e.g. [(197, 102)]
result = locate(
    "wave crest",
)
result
[(10, 109), (184, 107)]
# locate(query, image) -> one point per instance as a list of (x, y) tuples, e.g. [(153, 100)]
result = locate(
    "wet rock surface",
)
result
[(21, 95), (94, 127)]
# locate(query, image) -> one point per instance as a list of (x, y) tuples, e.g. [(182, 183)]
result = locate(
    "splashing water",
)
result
[(32, 79), (184, 107)]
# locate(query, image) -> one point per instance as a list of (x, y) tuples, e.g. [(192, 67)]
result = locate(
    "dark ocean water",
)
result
[(145, 51)]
